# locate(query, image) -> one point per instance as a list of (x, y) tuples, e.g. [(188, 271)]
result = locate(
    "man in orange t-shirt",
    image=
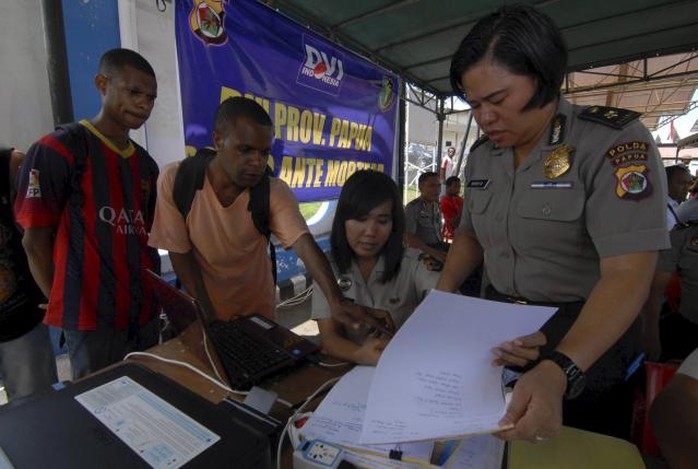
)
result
[(217, 253)]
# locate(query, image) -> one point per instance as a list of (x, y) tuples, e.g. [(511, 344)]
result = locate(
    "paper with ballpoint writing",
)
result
[(339, 418), (435, 380)]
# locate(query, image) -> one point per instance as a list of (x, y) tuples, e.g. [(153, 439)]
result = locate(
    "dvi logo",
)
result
[(321, 70)]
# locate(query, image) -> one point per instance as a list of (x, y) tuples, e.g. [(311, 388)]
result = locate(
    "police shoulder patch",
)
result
[(614, 117), (479, 142)]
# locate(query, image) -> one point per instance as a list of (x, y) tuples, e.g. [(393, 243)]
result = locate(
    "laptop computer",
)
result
[(250, 349)]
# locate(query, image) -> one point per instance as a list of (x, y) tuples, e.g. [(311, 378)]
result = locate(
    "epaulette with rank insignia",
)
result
[(478, 142), (609, 116)]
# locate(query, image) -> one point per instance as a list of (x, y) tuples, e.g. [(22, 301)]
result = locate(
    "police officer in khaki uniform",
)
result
[(423, 218), (677, 333), (372, 266), (566, 206)]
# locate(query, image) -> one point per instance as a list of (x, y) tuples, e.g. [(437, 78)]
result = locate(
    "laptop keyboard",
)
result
[(247, 358)]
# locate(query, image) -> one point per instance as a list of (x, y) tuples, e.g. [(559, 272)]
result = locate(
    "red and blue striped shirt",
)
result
[(102, 215)]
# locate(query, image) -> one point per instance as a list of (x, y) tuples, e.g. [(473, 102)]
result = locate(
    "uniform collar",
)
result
[(558, 129), (556, 133), (427, 203), (378, 269)]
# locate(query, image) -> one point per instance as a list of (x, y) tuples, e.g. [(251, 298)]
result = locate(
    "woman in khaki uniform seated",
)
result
[(372, 266)]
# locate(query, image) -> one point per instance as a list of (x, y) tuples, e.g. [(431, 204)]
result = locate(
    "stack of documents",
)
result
[(433, 382)]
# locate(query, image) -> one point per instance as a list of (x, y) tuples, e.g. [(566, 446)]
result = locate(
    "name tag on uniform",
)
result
[(478, 183), (551, 185)]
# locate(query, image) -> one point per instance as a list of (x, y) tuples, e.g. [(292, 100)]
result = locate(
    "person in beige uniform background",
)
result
[(371, 264), (674, 336), (566, 206)]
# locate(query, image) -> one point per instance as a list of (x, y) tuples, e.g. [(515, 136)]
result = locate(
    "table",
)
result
[(293, 387), (572, 449)]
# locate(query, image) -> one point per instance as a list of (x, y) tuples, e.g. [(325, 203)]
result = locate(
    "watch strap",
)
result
[(573, 374)]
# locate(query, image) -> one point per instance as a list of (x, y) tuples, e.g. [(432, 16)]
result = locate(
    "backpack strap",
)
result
[(259, 206), (190, 177)]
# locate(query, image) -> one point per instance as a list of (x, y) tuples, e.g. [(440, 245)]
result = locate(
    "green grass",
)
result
[(410, 193), (308, 209)]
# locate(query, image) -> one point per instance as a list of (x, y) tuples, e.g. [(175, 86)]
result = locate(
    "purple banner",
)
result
[(333, 111)]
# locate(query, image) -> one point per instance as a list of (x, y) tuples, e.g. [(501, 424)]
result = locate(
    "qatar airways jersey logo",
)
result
[(323, 68), (124, 221)]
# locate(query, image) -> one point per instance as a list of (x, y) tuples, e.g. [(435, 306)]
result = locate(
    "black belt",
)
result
[(492, 294)]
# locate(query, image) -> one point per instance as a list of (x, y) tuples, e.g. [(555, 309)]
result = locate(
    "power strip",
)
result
[(317, 454)]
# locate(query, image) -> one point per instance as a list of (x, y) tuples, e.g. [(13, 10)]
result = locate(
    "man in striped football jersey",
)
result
[(85, 200)]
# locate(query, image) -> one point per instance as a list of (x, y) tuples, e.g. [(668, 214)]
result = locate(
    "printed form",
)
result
[(340, 416), (434, 380), (158, 432)]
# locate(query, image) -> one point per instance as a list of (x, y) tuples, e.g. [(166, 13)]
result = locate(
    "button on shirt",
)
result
[(543, 236)]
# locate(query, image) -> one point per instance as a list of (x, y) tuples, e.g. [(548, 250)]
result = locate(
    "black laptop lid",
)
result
[(183, 311), (189, 324)]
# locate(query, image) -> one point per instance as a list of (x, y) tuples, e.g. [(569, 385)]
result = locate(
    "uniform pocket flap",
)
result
[(479, 200), (552, 204)]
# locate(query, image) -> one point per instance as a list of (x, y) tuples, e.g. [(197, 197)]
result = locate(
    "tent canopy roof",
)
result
[(618, 43)]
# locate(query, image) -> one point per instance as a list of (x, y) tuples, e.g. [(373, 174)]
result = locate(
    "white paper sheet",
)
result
[(435, 379), (478, 452), (158, 432), (339, 418)]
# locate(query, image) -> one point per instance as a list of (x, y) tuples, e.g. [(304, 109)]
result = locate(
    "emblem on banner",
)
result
[(386, 97), (632, 182), (558, 162), (206, 21)]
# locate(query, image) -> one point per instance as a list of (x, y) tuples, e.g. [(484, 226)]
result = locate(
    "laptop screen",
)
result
[(246, 349), (184, 318)]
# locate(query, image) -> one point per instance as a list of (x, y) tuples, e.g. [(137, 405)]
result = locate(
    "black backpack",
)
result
[(190, 177)]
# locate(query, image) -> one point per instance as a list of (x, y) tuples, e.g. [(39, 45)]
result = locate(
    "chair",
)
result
[(657, 377)]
